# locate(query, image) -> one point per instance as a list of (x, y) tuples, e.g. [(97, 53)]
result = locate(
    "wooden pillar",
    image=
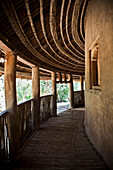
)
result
[(60, 77), (71, 92), (36, 97), (11, 103), (82, 91), (64, 78), (54, 105)]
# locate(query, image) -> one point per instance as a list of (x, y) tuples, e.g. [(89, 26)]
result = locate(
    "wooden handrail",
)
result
[(24, 113), (24, 102), (3, 113), (46, 95), (63, 81), (79, 91)]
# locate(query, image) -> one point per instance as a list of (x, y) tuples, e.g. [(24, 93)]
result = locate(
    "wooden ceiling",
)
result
[(48, 33)]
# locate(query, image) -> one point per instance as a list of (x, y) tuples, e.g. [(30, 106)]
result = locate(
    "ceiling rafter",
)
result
[(67, 30), (45, 35), (48, 33), (74, 26), (34, 31), (54, 30), (35, 34), (79, 59)]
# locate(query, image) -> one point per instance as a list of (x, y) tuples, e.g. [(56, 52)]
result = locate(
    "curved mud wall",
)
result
[(99, 102)]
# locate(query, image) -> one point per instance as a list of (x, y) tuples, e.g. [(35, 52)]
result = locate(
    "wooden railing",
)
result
[(78, 99), (45, 107), (4, 138), (24, 111), (25, 126)]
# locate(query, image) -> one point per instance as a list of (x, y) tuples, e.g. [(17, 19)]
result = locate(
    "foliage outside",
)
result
[(24, 90), (76, 86), (2, 94), (45, 87), (62, 92)]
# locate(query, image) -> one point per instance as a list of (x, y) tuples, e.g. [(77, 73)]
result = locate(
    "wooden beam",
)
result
[(36, 97), (54, 104), (11, 104), (73, 54), (63, 82), (4, 47), (25, 62), (17, 27), (45, 78), (71, 91), (53, 29), (74, 27), (46, 38), (67, 30), (81, 82)]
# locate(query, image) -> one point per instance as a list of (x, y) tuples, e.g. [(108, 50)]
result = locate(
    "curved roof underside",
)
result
[(48, 33)]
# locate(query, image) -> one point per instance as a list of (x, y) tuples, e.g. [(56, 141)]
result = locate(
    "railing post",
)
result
[(60, 77), (54, 105), (36, 97), (11, 103), (64, 78), (71, 91), (82, 91)]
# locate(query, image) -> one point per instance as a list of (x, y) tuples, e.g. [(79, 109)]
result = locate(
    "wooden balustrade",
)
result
[(25, 118), (4, 138), (25, 126), (45, 107), (78, 101)]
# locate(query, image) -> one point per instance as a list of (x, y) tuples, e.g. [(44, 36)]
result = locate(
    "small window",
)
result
[(94, 66)]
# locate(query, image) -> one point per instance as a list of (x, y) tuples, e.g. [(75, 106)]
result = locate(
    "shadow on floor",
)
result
[(61, 144)]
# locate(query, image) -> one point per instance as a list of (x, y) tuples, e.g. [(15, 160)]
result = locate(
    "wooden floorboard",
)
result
[(61, 144)]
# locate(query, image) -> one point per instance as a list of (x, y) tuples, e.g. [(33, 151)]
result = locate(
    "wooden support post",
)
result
[(60, 77), (36, 97), (82, 91), (54, 104), (11, 104), (64, 78), (71, 91)]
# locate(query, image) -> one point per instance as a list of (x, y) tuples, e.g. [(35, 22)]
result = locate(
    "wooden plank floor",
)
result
[(61, 144)]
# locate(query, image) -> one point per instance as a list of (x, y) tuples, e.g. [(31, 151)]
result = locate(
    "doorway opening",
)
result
[(63, 97)]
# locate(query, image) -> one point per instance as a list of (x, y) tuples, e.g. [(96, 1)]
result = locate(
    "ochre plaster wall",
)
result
[(99, 104)]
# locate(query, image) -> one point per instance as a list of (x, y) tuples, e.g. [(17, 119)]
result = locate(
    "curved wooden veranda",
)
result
[(60, 143), (45, 40)]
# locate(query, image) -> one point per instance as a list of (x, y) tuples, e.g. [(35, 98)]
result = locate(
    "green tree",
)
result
[(24, 89), (62, 92), (76, 86), (45, 87)]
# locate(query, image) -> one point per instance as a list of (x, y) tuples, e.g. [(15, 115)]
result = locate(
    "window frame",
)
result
[(94, 63)]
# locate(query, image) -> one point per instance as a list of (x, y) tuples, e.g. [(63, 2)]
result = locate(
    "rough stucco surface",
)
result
[(99, 104)]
